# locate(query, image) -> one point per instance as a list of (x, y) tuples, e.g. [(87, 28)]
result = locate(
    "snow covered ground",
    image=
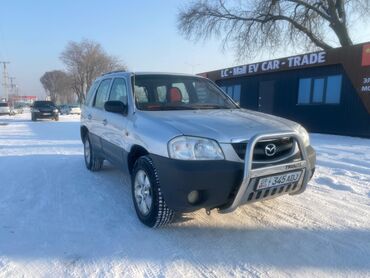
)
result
[(59, 220)]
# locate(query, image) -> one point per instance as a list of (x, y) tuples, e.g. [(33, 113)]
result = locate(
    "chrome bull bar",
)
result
[(250, 173)]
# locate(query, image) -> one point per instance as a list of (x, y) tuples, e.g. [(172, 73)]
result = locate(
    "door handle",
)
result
[(105, 122), (89, 117)]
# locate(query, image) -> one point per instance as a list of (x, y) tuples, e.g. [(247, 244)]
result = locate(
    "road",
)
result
[(59, 220)]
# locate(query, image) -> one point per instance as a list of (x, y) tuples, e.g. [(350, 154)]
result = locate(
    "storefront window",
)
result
[(233, 91), (318, 90), (304, 93), (333, 89), (323, 90)]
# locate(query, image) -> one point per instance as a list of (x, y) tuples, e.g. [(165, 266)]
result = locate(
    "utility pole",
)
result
[(5, 78), (12, 94), (12, 85)]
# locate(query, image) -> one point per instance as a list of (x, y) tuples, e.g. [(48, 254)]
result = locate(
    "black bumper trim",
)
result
[(215, 180)]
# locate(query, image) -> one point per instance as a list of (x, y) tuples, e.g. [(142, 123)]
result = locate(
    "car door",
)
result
[(86, 113), (97, 116), (113, 139)]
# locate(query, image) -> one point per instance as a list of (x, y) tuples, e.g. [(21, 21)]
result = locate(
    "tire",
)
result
[(156, 213), (33, 118), (92, 162), (56, 118)]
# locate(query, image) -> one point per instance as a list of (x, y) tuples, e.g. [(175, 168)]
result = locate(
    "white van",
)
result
[(4, 108)]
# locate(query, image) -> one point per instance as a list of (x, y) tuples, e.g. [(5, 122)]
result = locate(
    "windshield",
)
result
[(43, 104), (4, 104), (171, 92)]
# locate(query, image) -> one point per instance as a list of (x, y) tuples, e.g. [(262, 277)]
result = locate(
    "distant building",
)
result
[(326, 91), (22, 99)]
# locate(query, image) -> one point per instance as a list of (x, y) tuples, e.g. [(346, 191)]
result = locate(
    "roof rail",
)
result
[(114, 71)]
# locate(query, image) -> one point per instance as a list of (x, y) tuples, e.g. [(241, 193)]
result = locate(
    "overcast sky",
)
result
[(142, 34)]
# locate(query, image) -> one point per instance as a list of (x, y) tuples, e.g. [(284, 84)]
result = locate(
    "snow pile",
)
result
[(58, 219)]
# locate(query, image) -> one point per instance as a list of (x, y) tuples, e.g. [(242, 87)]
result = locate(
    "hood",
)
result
[(225, 126)]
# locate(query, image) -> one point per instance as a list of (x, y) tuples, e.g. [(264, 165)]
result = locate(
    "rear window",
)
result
[(4, 104)]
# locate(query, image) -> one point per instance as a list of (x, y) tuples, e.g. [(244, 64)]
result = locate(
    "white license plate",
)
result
[(46, 114), (278, 180)]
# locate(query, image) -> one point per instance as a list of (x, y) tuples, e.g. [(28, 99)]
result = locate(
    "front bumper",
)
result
[(45, 115), (214, 180), (222, 184)]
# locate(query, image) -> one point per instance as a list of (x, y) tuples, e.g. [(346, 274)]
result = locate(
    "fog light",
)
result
[(193, 197)]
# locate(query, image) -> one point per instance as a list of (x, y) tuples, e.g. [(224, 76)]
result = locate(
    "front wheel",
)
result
[(33, 117), (149, 204), (92, 162)]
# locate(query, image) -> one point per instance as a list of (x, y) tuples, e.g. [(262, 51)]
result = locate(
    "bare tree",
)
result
[(58, 85), (85, 61), (251, 25)]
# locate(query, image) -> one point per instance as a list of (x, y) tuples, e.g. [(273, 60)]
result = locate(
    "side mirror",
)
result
[(115, 106)]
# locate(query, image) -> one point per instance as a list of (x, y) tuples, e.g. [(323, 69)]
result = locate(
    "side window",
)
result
[(102, 94), (119, 90), (91, 93)]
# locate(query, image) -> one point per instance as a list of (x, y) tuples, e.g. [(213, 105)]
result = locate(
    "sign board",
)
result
[(274, 65), (354, 59)]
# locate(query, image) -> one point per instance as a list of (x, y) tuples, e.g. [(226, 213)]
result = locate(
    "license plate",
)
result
[(46, 114), (278, 180)]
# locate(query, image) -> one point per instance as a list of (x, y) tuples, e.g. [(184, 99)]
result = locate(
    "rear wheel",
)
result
[(92, 162), (149, 204)]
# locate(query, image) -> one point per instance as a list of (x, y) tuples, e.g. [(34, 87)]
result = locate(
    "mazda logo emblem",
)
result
[(270, 150)]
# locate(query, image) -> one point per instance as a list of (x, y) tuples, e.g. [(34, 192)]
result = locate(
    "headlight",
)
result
[(55, 110), (35, 110), (304, 135), (194, 148)]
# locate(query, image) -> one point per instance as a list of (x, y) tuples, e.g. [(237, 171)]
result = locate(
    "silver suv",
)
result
[(187, 145)]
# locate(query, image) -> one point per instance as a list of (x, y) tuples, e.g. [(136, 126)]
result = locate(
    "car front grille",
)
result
[(284, 147)]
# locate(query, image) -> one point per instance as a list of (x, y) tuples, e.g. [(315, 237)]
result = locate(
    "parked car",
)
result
[(13, 111), (64, 109), (19, 108), (75, 109), (43, 109), (188, 146), (4, 108)]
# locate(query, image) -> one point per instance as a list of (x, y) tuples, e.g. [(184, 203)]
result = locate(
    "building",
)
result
[(325, 91), (21, 101)]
